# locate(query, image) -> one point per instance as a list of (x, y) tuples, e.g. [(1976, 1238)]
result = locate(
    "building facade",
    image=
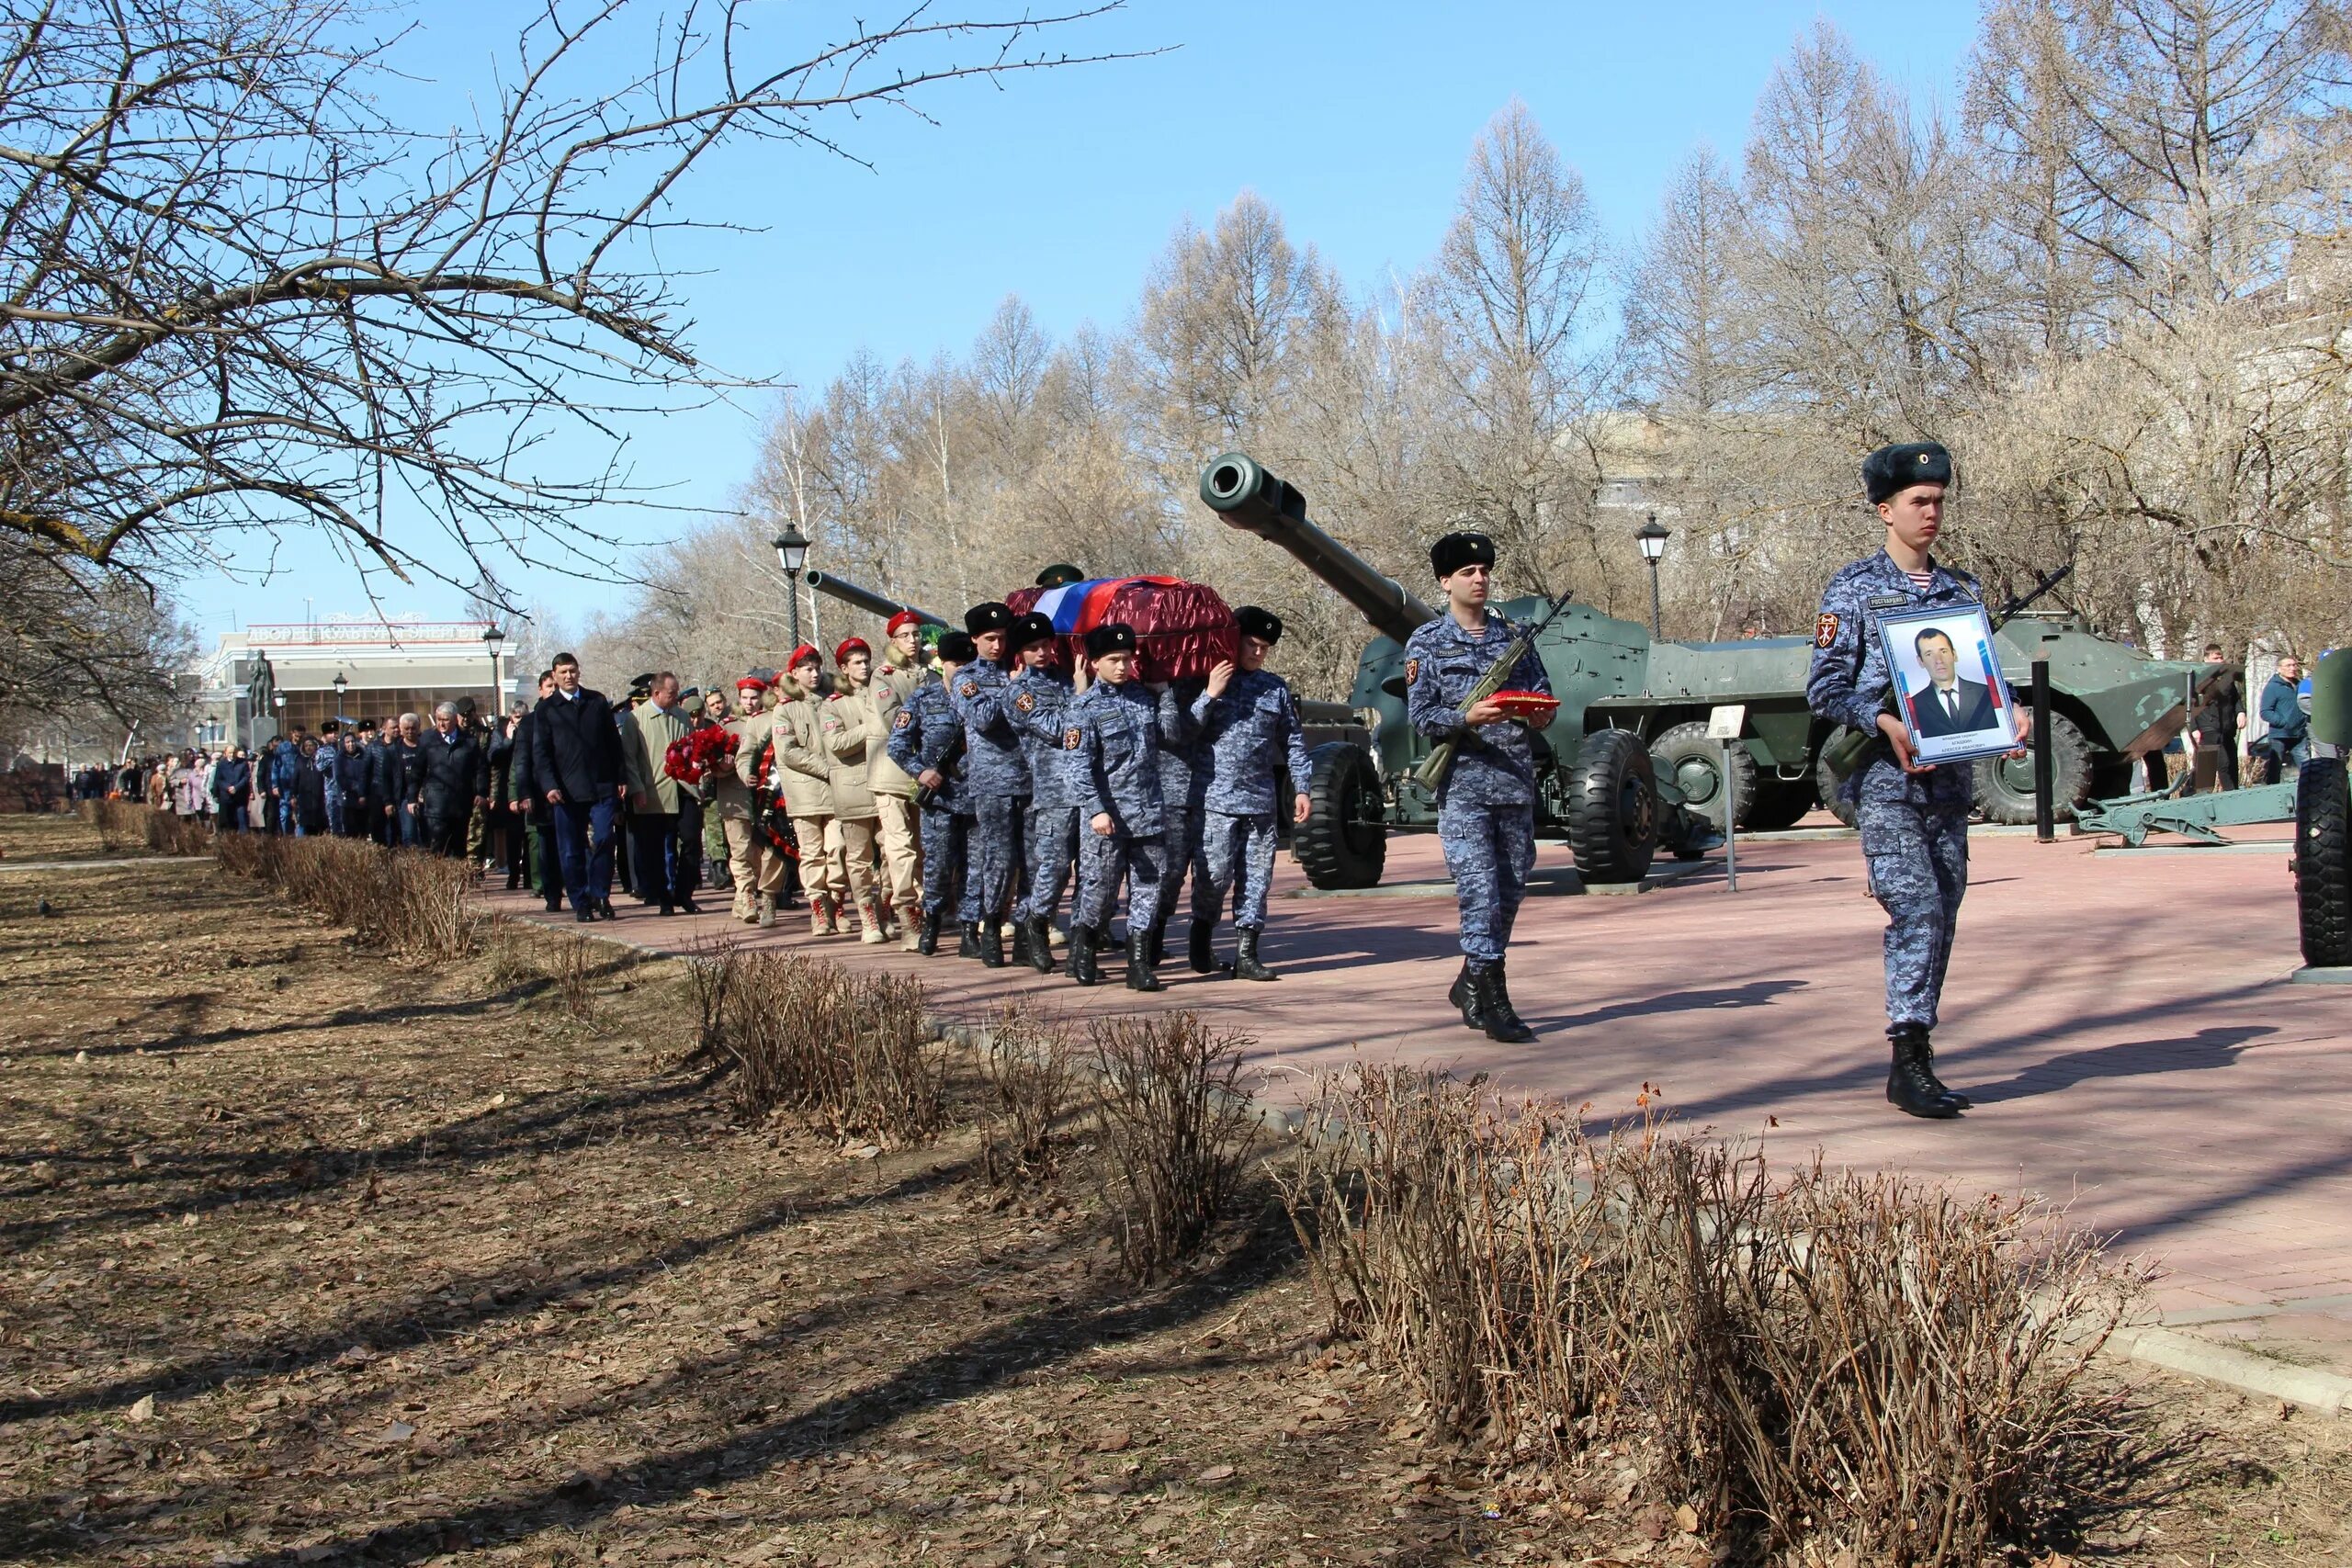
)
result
[(387, 667)]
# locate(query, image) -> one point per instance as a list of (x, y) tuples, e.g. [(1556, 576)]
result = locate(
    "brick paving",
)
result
[(2123, 1021)]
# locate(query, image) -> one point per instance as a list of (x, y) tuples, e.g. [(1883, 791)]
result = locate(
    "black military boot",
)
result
[(1245, 963), (1495, 1014), (1159, 941), (992, 944), (1139, 975), (1927, 1063), (1203, 954), (1019, 940), (1908, 1088), (1081, 955), (1466, 997), (927, 939), (968, 938), (1041, 945)]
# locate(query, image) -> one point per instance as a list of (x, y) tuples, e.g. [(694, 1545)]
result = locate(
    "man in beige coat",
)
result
[(665, 815), (857, 728), (902, 663), (804, 770), (758, 871)]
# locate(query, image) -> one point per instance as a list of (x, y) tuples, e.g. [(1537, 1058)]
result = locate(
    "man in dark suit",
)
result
[(527, 802), (1947, 704), (452, 777), (576, 767), (396, 784)]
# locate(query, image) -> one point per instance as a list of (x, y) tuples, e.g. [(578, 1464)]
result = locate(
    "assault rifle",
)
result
[(925, 797), (1846, 748), (1433, 772)]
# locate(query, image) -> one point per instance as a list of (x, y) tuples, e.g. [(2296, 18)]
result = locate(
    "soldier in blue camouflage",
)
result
[(927, 741), (1913, 815), (1183, 779), (1486, 808), (996, 774), (1249, 725), (1110, 736), (1040, 692)]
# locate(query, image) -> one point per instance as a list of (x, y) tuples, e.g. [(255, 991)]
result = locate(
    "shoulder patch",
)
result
[(1026, 702), (1412, 670), (969, 689), (904, 719), (1824, 630), (1071, 737)]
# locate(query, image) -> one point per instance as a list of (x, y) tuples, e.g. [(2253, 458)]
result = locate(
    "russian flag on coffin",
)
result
[(1182, 629)]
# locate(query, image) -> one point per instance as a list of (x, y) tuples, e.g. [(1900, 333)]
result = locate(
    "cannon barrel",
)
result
[(865, 599), (1238, 489)]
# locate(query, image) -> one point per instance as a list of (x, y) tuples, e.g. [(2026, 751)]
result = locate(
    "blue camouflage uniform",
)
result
[(996, 784), (1486, 810), (1914, 826), (1183, 781), (1039, 697), (921, 738), (1244, 730), (1111, 738)]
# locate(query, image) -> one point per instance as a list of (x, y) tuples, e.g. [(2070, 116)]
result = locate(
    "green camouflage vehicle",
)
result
[(1627, 768)]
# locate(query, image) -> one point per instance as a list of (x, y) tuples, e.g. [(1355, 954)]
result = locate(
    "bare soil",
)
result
[(315, 1258)]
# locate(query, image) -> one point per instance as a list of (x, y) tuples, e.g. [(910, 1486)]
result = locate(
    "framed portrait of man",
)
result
[(1948, 682)]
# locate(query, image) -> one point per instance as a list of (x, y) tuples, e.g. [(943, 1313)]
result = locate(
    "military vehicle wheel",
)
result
[(2005, 787), (1826, 783), (1613, 807), (1781, 803), (2323, 862), (1344, 840), (1687, 759)]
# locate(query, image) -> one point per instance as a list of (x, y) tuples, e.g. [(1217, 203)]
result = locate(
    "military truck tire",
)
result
[(1613, 807), (2005, 788), (2323, 863), (1826, 783), (1694, 764), (1344, 840), (1781, 803)]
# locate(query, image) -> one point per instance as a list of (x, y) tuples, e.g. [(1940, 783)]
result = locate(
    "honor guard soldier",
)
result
[(1248, 723), (756, 867), (1040, 692), (1111, 734), (1913, 815), (996, 774), (1183, 782), (1485, 807), (926, 741)]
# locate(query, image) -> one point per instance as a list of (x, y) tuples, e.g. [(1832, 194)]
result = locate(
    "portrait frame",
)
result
[(1979, 717)]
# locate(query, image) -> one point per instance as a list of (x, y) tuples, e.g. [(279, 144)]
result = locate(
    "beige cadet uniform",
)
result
[(805, 770), (876, 710), (898, 673), (758, 869), (855, 736)]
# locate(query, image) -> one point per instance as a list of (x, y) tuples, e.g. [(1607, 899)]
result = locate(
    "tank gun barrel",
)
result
[(865, 599), (1238, 489)]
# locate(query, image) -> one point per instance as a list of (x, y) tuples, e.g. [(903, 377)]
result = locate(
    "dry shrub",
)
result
[(171, 835), (1825, 1361), (714, 968), (121, 824), (1174, 1127), (1031, 1071), (402, 902), (850, 1050)]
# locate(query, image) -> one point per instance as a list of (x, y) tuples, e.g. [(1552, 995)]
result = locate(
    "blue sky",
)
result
[(1353, 119)]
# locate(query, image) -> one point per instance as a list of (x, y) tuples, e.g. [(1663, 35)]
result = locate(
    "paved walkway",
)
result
[(2123, 1020)]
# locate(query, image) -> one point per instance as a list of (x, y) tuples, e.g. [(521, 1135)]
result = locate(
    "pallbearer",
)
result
[(1485, 807), (926, 740), (1112, 736), (1040, 694), (996, 774), (1250, 726), (1913, 815)]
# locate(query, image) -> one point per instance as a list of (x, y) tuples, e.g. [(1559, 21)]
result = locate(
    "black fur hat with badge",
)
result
[(1890, 471), (1117, 637), (1455, 551), (1255, 622)]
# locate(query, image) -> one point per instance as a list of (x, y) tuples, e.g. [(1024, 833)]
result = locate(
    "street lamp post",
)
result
[(792, 553), (492, 639), (1652, 537), (341, 686)]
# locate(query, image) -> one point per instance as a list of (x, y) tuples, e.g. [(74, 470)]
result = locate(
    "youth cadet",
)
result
[(923, 738), (996, 775), (1485, 807), (1248, 722), (1040, 694), (1111, 739), (1913, 815)]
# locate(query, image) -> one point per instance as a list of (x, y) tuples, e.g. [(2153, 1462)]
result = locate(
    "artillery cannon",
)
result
[(865, 599)]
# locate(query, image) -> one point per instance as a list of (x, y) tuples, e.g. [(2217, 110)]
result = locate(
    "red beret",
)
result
[(900, 621), (850, 646), (805, 654), (751, 684)]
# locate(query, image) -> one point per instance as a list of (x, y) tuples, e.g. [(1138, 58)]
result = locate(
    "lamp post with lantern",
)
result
[(792, 553), (1652, 536), (492, 638), (342, 687)]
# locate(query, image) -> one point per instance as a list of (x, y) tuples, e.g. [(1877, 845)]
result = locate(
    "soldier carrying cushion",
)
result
[(1913, 815), (1039, 695), (1110, 736), (1250, 722), (1485, 807), (925, 735), (996, 774)]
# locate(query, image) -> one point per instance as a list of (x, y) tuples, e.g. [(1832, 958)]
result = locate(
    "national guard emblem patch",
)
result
[(1412, 670), (1026, 702), (969, 689), (1824, 630), (1071, 737), (903, 720)]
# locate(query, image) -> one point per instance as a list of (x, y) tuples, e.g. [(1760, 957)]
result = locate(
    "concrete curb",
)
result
[(2328, 1393)]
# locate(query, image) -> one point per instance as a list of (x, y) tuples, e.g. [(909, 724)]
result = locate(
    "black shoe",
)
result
[(1139, 975), (584, 916), (1466, 997), (688, 906), (1498, 1018), (968, 938), (1081, 955), (991, 945), (927, 941), (1041, 944), (1204, 947), (1159, 941), (668, 910), (1020, 940), (605, 911), (1908, 1088), (1927, 1063), (1245, 963), (513, 883), (555, 903)]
